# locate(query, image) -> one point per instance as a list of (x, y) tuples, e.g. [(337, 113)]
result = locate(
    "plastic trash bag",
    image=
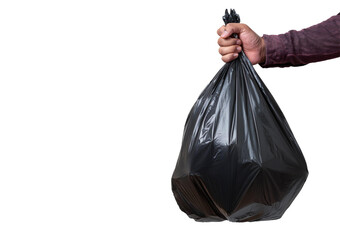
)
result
[(239, 160)]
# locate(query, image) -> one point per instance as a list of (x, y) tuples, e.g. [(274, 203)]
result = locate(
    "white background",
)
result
[(93, 100)]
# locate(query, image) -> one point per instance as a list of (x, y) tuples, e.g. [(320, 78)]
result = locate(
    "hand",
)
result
[(253, 46)]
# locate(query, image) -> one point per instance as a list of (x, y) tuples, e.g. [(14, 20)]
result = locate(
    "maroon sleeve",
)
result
[(295, 48)]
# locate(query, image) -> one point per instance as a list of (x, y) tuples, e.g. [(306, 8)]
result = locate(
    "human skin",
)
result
[(252, 44)]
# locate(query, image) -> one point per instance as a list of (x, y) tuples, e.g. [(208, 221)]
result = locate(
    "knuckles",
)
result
[(231, 27), (220, 41), (227, 50), (220, 30)]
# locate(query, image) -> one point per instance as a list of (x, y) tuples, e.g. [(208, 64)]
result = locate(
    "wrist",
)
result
[(262, 51)]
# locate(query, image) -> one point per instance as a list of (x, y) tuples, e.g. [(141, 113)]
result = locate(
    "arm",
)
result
[(295, 48)]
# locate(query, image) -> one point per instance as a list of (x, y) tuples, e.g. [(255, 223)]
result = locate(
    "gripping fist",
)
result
[(253, 45)]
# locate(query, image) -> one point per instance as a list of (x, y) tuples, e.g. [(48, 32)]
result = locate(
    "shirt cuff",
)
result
[(275, 51)]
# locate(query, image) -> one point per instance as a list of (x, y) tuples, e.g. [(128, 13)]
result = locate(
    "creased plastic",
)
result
[(239, 160)]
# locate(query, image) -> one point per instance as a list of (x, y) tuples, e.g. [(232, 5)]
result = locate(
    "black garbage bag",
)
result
[(239, 160)]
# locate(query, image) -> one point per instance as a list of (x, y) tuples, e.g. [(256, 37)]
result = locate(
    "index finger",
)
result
[(221, 30)]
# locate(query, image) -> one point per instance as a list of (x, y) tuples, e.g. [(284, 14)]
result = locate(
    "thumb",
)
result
[(231, 28)]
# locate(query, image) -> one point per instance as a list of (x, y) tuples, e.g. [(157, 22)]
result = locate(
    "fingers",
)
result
[(229, 53), (229, 49), (229, 57), (228, 42), (220, 30), (230, 28)]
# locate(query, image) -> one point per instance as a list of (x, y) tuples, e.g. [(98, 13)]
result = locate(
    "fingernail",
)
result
[(235, 55), (239, 48), (224, 34), (238, 42)]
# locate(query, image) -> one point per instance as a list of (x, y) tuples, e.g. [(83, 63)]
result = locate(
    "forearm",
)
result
[(295, 48)]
